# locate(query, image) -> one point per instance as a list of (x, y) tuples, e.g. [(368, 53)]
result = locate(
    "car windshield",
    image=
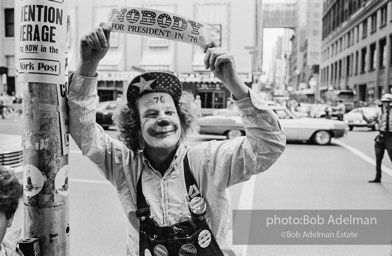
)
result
[(284, 114), (366, 111)]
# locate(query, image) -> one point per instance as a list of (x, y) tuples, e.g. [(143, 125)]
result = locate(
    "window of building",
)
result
[(356, 62), (9, 22), (383, 21), (372, 62), (352, 36), (364, 28), (340, 44), (348, 66), (390, 60), (363, 60), (340, 70), (382, 55), (348, 39), (357, 33), (374, 22)]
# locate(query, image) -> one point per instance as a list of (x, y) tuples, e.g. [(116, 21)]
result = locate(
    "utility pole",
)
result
[(41, 31)]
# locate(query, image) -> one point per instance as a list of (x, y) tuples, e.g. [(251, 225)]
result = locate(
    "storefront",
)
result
[(112, 84), (213, 94)]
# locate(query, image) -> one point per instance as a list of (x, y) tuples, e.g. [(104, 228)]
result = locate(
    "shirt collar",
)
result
[(181, 149)]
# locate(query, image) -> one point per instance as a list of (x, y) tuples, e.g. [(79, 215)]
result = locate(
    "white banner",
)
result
[(149, 22), (42, 41)]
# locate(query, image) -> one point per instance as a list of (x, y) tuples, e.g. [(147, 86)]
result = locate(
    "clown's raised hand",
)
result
[(93, 47), (221, 63)]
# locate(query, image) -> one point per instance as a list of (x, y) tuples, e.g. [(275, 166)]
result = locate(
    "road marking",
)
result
[(246, 203), (363, 156)]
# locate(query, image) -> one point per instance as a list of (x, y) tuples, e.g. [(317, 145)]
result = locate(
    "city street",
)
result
[(305, 177)]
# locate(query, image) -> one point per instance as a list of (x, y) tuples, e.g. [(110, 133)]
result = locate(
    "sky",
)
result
[(268, 45)]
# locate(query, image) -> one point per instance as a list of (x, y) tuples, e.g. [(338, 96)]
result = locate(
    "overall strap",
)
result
[(190, 181), (143, 209)]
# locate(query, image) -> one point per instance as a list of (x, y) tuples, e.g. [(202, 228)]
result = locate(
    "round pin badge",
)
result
[(147, 252), (160, 250), (204, 238), (187, 250), (198, 205)]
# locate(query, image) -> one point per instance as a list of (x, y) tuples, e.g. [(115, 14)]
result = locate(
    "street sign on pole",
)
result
[(41, 51)]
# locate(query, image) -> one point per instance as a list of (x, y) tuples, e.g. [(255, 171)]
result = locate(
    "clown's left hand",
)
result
[(221, 63)]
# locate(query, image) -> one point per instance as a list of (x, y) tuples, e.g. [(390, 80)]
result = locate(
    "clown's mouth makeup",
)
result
[(162, 132)]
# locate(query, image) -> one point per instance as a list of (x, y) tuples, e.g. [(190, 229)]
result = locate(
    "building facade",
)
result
[(7, 48), (132, 53), (234, 24), (305, 56), (356, 47)]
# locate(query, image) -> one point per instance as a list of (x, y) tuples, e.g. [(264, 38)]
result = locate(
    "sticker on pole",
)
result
[(155, 23), (61, 182), (33, 180)]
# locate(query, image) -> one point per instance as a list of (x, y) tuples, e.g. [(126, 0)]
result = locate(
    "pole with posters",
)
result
[(41, 31)]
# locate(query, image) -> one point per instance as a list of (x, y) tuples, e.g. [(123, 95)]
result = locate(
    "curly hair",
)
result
[(127, 120), (10, 192)]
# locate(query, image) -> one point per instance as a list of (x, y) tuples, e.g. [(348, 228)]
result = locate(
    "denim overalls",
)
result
[(188, 238)]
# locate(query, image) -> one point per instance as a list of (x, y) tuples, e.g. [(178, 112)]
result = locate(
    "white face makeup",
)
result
[(160, 124)]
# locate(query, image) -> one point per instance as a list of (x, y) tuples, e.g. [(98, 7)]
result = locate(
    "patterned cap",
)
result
[(154, 82)]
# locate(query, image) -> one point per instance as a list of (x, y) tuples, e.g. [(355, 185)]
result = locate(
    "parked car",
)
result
[(354, 118), (104, 113), (319, 131)]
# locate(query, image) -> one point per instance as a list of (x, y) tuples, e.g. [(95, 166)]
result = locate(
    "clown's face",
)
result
[(160, 124)]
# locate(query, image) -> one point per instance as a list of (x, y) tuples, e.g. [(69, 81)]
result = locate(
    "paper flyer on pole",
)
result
[(42, 41), (155, 23)]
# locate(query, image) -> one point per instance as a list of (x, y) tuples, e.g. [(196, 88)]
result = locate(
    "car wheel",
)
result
[(351, 127), (322, 137), (232, 134)]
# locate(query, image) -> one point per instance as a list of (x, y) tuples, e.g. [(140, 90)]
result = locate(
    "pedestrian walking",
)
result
[(339, 110), (173, 196), (10, 193), (383, 140)]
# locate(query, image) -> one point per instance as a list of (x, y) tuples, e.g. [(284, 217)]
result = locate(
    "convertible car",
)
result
[(318, 131)]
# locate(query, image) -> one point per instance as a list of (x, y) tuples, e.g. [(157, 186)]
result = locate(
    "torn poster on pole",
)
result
[(155, 23), (42, 42)]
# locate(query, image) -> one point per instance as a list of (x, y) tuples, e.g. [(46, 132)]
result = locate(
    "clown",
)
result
[(174, 196)]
